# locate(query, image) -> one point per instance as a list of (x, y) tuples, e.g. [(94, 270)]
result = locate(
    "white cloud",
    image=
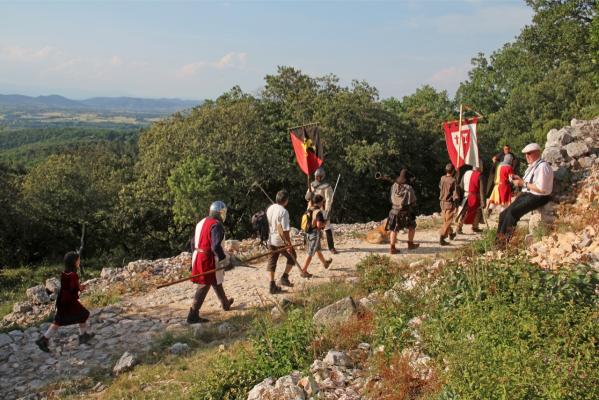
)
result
[(229, 60), (191, 69), (26, 54)]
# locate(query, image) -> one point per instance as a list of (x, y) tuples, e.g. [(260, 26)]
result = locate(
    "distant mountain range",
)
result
[(96, 104)]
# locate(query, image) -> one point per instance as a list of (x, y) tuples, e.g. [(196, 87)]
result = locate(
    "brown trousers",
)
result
[(448, 216), (202, 291)]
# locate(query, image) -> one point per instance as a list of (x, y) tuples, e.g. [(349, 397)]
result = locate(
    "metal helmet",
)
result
[(319, 173), (218, 208)]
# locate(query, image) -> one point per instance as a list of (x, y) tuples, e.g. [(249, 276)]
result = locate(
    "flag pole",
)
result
[(459, 139)]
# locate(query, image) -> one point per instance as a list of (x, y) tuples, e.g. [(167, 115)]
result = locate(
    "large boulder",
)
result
[(577, 149), (125, 363), (559, 138), (52, 285), (285, 388), (555, 155), (336, 313), (38, 295)]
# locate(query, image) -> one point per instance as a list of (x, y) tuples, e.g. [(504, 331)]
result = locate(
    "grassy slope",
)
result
[(494, 328)]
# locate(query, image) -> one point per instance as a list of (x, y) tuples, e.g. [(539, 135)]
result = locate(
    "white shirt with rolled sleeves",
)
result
[(277, 215), (539, 174)]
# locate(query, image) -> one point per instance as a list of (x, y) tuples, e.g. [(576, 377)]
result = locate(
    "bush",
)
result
[(514, 331), (275, 350), (378, 272)]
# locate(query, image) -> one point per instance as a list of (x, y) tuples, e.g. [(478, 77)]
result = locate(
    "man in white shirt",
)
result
[(278, 226), (537, 186)]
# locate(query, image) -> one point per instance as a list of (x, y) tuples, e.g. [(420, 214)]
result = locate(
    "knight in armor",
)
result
[(209, 255), (324, 189)]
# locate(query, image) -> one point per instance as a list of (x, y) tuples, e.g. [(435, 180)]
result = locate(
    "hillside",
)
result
[(474, 322), (96, 104)]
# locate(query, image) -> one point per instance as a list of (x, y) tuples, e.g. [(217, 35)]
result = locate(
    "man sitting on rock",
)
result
[(537, 185)]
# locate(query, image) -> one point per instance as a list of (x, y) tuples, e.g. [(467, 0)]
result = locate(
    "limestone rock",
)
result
[(22, 307), (577, 149), (52, 285), (336, 313), (232, 246), (125, 363), (107, 273), (38, 295), (337, 358), (179, 348), (555, 155), (559, 138)]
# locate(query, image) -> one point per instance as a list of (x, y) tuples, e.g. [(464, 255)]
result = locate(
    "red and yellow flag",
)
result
[(307, 148)]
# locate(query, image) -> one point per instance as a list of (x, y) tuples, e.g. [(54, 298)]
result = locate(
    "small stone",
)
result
[(338, 312), (179, 348), (364, 346), (225, 329), (125, 363)]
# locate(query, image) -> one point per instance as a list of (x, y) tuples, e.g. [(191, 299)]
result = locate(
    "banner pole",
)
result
[(459, 139)]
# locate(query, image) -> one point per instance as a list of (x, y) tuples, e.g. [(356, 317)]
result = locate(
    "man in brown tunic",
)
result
[(448, 197)]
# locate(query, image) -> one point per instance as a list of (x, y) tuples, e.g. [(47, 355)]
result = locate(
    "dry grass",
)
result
[(399, 381)]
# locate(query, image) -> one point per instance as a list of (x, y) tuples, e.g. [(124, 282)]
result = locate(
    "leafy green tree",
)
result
[(194, 187)]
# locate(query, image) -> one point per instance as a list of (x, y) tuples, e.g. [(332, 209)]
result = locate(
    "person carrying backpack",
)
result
[(69, 310), (402, 214), (313, 223)]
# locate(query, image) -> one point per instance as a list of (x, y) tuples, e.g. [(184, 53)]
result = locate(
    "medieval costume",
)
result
[(207, 254), (324, 189), (471, 184), (69, 310), (502, 192), (448, 196), (403, 211)]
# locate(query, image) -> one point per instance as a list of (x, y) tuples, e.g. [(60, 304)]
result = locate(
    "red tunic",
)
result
[(204, 259), (502, 193), (473, 199), (68, 308)]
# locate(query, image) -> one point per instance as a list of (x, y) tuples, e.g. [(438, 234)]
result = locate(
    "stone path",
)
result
[(135, 321)]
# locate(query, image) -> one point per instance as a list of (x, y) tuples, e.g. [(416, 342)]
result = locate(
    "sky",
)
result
[(200, 49)]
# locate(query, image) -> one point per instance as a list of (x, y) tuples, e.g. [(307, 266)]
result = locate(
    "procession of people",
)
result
[(461, 202)]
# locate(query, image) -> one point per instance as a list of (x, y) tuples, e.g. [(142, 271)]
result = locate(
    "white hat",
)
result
[(531, 147)]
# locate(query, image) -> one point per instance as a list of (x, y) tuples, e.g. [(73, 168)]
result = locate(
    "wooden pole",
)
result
[(221, 268)]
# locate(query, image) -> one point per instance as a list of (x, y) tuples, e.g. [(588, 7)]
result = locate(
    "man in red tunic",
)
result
[(208, 255)]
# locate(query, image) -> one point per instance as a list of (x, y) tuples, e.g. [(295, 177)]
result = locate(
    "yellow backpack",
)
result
[(308, 220)]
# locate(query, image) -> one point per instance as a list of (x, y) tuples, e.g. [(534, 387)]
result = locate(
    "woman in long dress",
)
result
[(502, 191)]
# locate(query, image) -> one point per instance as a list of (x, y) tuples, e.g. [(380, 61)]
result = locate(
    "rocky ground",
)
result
[(138, 318), (128, 328)]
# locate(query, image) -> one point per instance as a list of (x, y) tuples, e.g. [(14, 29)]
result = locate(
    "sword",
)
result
[(333, 196)]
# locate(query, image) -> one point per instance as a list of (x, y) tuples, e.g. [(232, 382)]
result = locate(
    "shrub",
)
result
[(275, 350), (378, 272), (514, 331)]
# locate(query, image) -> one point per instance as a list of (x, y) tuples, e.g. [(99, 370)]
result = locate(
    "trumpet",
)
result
[(380, 177)]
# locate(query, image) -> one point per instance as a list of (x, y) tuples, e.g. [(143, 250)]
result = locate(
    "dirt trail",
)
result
[(249, 286)]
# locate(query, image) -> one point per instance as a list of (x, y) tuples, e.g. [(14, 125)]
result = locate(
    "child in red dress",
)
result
[(68, 308)]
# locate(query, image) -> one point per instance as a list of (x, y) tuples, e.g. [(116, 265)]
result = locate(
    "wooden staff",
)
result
[(221, 268)]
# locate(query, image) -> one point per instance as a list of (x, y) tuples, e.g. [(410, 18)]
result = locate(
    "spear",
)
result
[(245, 261)]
